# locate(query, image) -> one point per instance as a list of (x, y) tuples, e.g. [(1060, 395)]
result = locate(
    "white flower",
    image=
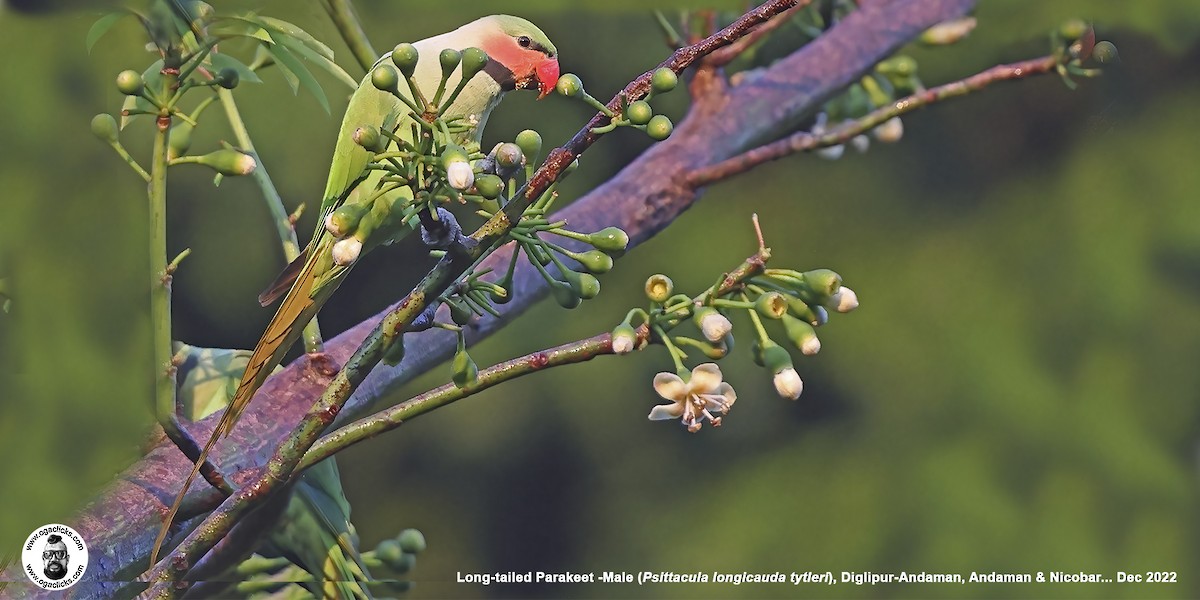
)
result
[(844, 300), (948, 32), (811, 345), (696, 400), (889, 131), (245, 164), (346, 251), (831, 152), (715, 326), (788, 383), (861, 143), (459, 175)]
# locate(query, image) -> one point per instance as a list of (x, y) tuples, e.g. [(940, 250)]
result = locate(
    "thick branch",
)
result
[(642, 199)]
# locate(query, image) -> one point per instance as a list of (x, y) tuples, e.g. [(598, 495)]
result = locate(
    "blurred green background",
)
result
[(1018, 391)]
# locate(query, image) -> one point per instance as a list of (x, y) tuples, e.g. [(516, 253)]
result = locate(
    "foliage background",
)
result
[(1018, 391)]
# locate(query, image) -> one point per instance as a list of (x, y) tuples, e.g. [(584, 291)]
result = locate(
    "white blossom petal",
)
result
[(788, 383), (705, 379), (670, 386), (663, 412)]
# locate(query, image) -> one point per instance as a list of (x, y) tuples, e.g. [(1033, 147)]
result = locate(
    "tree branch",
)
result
[(645, 197)]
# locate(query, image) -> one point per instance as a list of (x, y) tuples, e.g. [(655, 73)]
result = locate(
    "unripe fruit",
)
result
[(639, 113), (227, 161), (595, 261), (569, 85), (473, 61), (1073, 29), (104, 126), (389, 551), (610, 240), (530, 143), (509, 155), (465, 372), (368, 137), (663, 80), (1105, 52), (564, 295), (405, 56), (449, 58), (584, 284), (412, 541), (659, 128), (344, 220), (489, 186), (898, 65), (130, 83), (459, 313), (180, 139), (228, 78), (384, 78)]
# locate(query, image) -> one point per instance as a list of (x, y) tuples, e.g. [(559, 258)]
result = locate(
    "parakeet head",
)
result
[(522, 57)]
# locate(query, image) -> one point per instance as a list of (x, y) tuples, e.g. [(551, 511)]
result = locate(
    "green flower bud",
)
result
[(904, 66), (228, 78), (821, 283), (639, 113), (771, 305), (473, 61), (1073, 29), (569, 85), (227, 161), (368, 137), (384, 78), (501, 298), (180, 139), (404, 56), (595, 261), (610, 239), (802, 335), (104, 126), (663, 80), (465, 373), (659, 128), (130, 83), (449, 58), (659, 287), (1105, 52), (394, 353), (459, 312), (453, 154), (489, 186), (412, 541), (509, 156), (343, 221), (530, 142), (403, 564), (624, 339), (564, 295), (756, 353), (585, 285), (389, 551), (775, 357), (802, 311)]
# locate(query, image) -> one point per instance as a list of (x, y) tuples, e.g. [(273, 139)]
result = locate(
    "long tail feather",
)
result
[(283, 282), (170, 518)]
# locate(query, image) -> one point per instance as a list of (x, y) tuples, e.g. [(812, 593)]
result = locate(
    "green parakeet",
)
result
[(520, 56)]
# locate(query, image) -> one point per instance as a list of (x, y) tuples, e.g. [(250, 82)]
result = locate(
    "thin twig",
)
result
[(727, 54), (805, 141), (348, 24)]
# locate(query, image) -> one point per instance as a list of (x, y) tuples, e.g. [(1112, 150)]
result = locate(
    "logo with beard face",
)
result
[(54, 556)]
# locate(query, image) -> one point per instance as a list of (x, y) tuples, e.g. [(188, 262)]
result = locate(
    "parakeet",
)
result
[(520, 56)]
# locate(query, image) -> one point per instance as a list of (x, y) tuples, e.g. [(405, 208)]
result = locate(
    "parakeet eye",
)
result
[(524, 41)]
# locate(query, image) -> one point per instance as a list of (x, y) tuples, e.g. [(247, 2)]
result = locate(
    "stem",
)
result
[(284, 225), (341, 12), (160, 282)]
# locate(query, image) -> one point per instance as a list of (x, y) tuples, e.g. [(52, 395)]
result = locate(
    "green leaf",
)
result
[(316, 58), (300, 73), (101, 27), (224, 61), (293, 31)]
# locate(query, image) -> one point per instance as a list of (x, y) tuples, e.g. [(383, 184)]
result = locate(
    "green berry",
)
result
[(385, 78), (489, 186), (180, 139), (659, 128), (663, 80), (595, 261), (404, 56), (509, 155), (610, 239), (104, 126), (585, 285), (901, 65), (394, 354), (473, 61), (464, 370), (1073, 29), (228, 78), (639, 113), (530, 142), (449, 58), (569, 85), (412, 541), (459, 312), (1105, 52), (659, 287), (564, 295), (130, 83), (389, 551)]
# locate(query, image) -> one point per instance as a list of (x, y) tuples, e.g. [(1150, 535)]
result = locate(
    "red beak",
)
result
[(547, 77)]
